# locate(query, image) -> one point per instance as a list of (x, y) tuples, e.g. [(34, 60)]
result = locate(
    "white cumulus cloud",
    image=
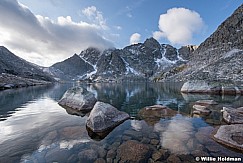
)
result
[(44, 41), (135, 38), (96, 16), (178, 25)]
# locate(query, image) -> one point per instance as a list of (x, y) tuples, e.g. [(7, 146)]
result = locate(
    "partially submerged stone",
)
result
[(230, 135), (156, 111), (152, 114), (202, 109), (232, 115), (78, 98), (105, 116)]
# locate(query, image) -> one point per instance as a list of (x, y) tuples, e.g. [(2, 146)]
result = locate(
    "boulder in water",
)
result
[(78, 98)]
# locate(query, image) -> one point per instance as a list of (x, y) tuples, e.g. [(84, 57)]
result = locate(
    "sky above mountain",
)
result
[(45, 32)]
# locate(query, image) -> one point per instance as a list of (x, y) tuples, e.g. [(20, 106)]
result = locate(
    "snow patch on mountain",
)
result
[(232, 53), (129, 69)]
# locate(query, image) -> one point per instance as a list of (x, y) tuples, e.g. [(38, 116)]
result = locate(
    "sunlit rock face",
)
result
[(105, 116), (78, 98)]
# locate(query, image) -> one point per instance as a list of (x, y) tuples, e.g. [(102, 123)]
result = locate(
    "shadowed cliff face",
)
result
[(220, 56), (12, 64)]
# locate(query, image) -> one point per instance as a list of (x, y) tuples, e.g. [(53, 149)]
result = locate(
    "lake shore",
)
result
[(8, 81)]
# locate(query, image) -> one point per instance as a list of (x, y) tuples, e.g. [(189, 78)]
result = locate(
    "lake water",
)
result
[(34, 128)]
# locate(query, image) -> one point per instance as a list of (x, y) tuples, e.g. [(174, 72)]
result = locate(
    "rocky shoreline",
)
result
[(8, 81)]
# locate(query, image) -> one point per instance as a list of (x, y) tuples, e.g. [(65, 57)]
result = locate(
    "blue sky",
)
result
[(48, 31)]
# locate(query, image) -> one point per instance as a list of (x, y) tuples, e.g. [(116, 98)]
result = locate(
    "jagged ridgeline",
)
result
[(135, 62)]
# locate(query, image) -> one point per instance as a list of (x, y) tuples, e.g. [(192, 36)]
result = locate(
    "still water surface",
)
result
[(34, 128)]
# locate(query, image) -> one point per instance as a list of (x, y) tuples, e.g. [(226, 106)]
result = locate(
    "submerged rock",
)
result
[(88, 156), (152, 114), (105, 116), (78, 98), (233, 116), (230, 135), (133, 151)]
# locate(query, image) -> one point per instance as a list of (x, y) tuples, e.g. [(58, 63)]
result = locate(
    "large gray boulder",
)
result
[(232, 115), (78, 98), (199, 86), (230, 135), (105, 116), (211, 87)]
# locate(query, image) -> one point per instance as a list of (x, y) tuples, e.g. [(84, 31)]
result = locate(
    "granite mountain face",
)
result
[(219, 57), (135, 62)]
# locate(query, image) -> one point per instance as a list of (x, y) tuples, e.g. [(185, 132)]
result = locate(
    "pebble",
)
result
[(100, 160), (154, 142), (173, 159), (111, 154)]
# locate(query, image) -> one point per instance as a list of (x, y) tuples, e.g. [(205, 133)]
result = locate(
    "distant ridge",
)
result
[(14, 65)]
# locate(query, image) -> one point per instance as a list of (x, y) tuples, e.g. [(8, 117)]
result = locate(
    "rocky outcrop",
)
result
[(105, 116), (185, 52), (79, 99), (8, 81), (133, 151), (230, 135), (232, 115)]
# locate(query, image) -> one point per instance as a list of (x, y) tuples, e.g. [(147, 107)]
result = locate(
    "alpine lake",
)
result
[(34, 128)]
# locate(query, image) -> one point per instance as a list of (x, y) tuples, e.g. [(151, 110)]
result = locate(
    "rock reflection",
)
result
[(75, 112), (195, 97)]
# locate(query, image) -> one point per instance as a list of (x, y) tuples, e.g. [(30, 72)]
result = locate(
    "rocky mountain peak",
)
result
[(91, 55), (151, 43)]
